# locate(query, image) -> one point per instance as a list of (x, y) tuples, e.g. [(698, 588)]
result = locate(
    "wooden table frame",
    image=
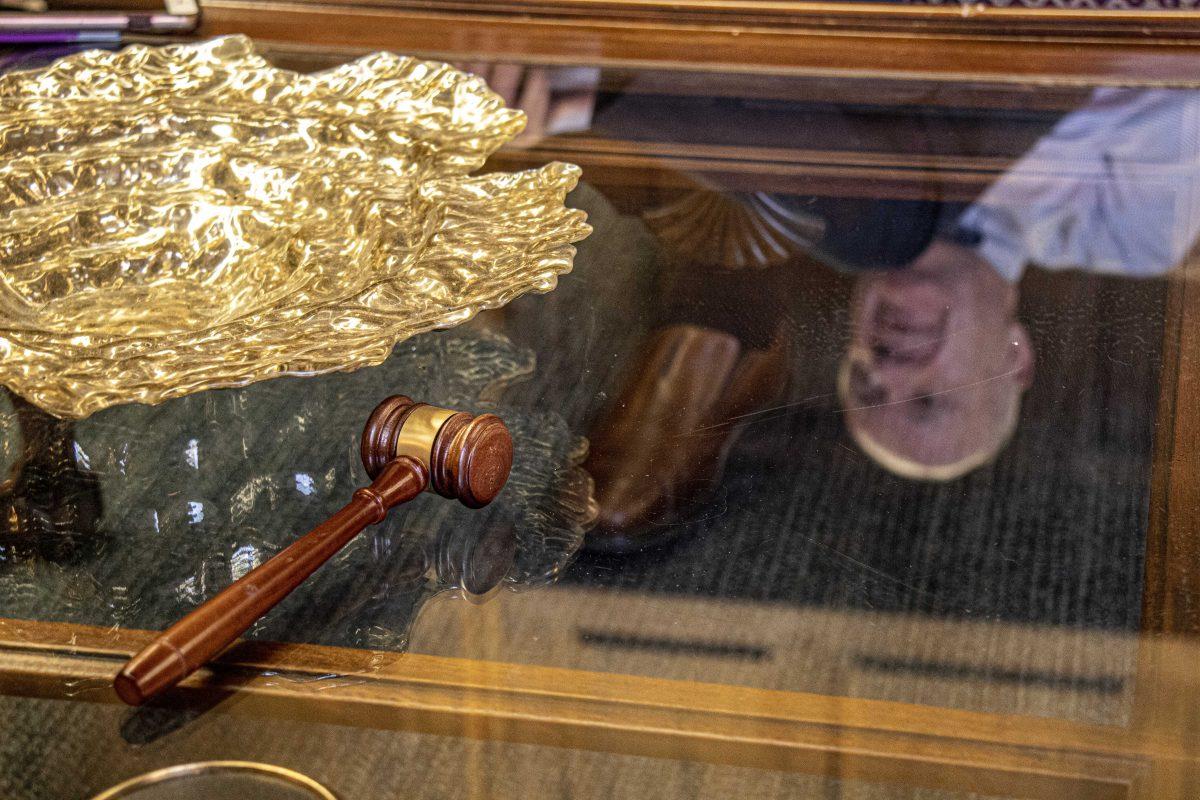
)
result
[(831, 736), (878, 40), (1155, 757), (1171, 597)]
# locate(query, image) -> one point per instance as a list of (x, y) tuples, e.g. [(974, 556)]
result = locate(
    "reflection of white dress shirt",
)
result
[(1114, 187)]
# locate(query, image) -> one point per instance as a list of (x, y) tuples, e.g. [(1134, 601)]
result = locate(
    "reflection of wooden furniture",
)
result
[(787, 170)]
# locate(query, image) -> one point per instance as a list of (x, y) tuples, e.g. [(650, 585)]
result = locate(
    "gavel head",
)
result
[(468, 457)]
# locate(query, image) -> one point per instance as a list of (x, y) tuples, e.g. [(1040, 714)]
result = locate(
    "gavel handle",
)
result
[(197, 638)]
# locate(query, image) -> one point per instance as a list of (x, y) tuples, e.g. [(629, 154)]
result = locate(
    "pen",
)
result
[(84, 21)]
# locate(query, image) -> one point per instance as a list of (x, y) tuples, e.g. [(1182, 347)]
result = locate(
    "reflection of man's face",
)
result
[(937, 362)]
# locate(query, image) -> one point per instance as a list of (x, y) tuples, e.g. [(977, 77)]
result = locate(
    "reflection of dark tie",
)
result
[(878, 234)]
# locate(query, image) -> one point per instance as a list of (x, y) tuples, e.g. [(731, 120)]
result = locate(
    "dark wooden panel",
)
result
[(1121, 52), (1171, 603), (1133, 25)]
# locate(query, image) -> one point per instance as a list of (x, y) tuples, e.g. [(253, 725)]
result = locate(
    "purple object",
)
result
[(59, 37)]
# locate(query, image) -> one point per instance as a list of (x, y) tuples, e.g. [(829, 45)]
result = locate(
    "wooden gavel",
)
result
[(407, 447)]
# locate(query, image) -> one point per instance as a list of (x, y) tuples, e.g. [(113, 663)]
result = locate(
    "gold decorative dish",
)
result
[(188, 217)]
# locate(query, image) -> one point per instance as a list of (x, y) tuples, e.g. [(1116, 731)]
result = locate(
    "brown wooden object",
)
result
[(407, 447)]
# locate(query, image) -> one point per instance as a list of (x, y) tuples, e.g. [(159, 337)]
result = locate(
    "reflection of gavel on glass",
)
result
[(407, 447)]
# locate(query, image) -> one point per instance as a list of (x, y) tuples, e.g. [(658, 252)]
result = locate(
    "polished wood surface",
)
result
[(820, 45), (468, 456), (1171, 599), (1010, 755), (1131, 24), (1170, 606)]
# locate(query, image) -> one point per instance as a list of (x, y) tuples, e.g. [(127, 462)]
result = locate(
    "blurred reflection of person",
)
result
[(932, 381), (937, 363)]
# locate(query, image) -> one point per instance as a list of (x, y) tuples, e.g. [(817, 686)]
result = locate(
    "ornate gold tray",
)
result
[(188, 217)]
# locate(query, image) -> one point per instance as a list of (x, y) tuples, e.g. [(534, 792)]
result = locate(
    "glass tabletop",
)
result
[(867, 389), (849, 433)]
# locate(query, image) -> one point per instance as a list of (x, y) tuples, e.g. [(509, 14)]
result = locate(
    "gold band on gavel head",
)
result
[(416, 436)]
